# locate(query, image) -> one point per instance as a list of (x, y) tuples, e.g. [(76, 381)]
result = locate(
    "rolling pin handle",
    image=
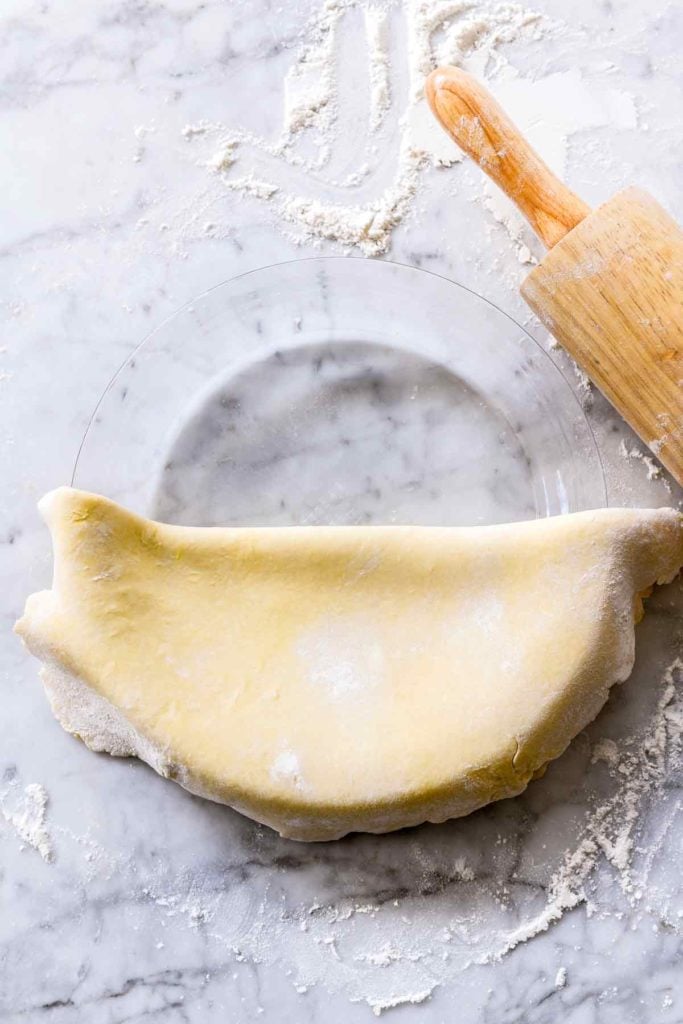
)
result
[(480, 127)]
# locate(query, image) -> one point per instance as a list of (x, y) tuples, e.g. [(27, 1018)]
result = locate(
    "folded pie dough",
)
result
[(325, 680)]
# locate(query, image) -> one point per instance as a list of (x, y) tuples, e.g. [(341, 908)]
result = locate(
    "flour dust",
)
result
[(653, 469), (24, 810), (305, 175)]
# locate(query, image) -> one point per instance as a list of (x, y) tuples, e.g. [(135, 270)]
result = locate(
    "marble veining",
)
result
[(160, 906), (346, 434)]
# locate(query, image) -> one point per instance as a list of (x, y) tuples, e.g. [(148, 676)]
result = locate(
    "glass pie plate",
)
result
[(341, 390)]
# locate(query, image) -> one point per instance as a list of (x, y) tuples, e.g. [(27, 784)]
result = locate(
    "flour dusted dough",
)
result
[(332, 679)]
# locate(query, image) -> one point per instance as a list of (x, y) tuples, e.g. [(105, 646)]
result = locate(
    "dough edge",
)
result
[(103, 728), (92, 719)]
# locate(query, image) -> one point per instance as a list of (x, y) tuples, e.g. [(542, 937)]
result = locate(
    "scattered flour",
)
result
[(377, 31), (469, 33), (202, 127), (584, 383), (368, 227), (561, 978), (607, 751), (310, 85), (252, 186), (224, 157), (654, 470), (378, 1006), (343, 659), (100, 862), (286, 766), (385, 956), (141, 130), (25, 810)]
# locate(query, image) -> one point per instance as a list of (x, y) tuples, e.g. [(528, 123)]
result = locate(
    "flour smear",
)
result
[(24, 811), (304, 175)]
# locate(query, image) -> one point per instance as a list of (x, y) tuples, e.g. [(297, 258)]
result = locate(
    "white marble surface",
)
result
[(155, 904)]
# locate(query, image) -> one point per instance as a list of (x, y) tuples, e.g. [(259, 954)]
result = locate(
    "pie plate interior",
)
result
[(341, 390)]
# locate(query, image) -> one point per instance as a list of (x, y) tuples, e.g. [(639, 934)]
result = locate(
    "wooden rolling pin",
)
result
[(611, 287)]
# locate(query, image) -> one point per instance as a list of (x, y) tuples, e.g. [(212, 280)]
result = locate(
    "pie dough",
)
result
[(325, 680)]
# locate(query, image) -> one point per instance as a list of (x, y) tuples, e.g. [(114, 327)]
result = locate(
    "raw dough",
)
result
[(331, 679)]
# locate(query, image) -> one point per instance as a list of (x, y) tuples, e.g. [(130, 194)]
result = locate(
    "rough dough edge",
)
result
[(103, 728)]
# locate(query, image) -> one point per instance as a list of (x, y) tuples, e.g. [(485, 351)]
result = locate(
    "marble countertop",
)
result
[(126, 899)]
